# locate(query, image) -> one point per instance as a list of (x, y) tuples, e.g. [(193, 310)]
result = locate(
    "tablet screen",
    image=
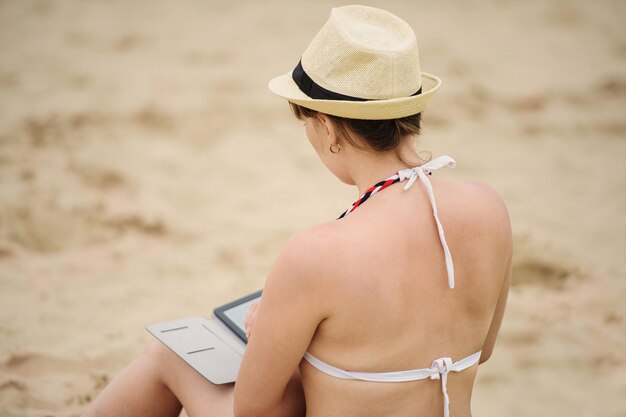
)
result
[(238, 314), (233, 314)]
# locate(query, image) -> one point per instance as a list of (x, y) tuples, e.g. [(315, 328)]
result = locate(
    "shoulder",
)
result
[(307, 255), (309, 249), (484, 195), (487, 209)]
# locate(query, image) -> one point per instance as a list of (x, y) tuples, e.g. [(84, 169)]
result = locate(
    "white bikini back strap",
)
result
[(438, 370), (418, 172)]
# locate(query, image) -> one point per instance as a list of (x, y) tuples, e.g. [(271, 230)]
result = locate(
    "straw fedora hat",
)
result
[(362, 64)]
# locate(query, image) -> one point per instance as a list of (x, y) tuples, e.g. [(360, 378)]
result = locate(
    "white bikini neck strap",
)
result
[(413, 174)]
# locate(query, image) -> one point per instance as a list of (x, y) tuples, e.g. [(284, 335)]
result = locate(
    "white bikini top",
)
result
[(442, 366)]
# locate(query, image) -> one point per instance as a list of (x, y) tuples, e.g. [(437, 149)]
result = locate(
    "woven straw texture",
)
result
[(367, 53), (380, 45)]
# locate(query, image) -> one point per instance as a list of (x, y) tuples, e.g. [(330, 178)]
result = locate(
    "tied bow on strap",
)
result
[(440, 368), (413, 174)]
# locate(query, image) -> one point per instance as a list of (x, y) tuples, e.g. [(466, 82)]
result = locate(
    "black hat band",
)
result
[(316, 91)]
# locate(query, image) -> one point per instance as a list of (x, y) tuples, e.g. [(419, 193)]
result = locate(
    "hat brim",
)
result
[(284, 86)]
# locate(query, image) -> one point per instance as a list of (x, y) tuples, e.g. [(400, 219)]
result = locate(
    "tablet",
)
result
[(233, 314), (213, 348), (206, 345)]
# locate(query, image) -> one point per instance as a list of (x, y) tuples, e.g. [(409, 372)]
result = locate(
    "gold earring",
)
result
[(338, 148)]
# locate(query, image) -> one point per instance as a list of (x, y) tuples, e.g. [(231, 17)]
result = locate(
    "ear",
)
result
[(329, 129)]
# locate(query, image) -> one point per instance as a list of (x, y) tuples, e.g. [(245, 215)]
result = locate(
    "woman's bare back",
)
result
[(390, 305)]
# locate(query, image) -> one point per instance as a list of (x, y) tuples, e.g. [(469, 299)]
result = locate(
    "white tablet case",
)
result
[(208, 346)]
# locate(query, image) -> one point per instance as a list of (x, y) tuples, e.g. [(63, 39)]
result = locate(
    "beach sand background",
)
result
[(146, 174)]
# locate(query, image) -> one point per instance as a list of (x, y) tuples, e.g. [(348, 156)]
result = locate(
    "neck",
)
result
[(370, 168)]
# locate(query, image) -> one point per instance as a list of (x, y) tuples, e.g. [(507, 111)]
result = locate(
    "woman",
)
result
[(383, 292)]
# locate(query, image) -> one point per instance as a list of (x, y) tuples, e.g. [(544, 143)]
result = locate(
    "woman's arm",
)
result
[(290, 310), (490, 340), (500, 224)]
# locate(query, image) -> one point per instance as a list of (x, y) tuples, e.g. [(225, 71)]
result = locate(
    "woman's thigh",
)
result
[(198, 396)]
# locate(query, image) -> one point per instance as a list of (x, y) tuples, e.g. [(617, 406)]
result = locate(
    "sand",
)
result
[(147, 174)]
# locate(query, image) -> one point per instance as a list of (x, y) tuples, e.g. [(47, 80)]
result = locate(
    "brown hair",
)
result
[(377, 135)]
